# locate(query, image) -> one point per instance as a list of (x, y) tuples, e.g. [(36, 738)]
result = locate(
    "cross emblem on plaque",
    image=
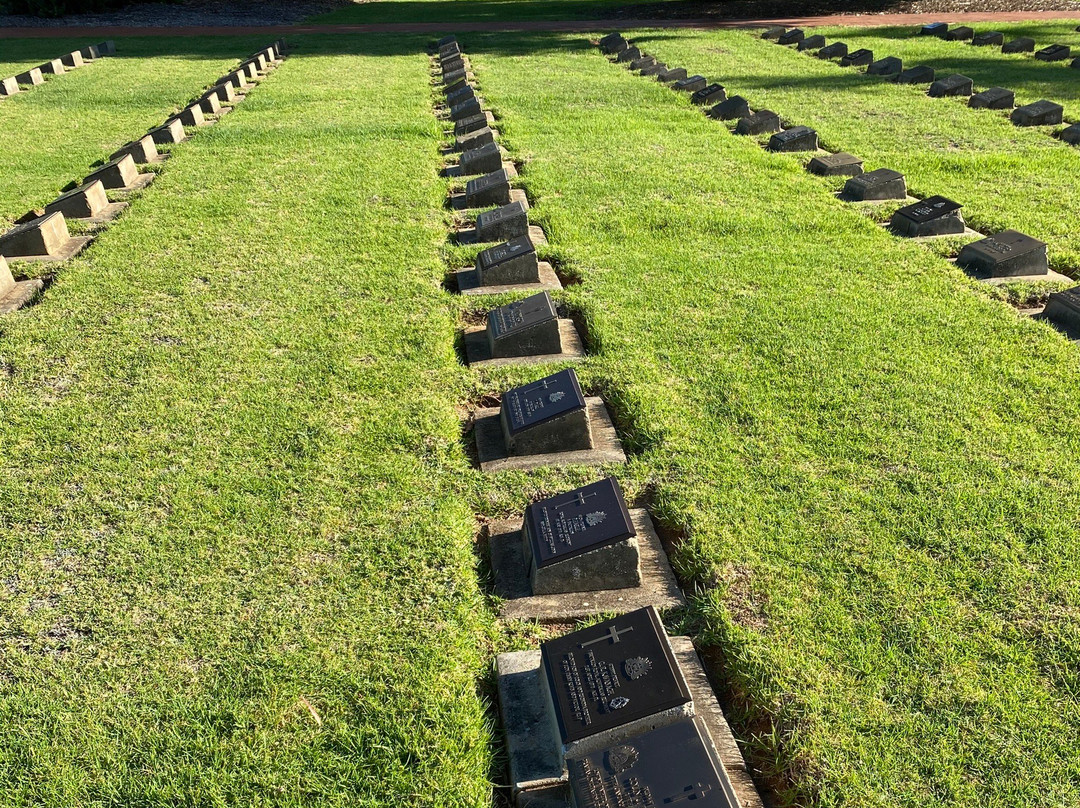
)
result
[(612, 634), (693, 792), (579, 498), (543, 384)]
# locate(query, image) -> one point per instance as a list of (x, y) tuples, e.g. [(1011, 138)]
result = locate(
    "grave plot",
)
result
[(22, 76), (944, 149), (850, 516), (238, 480)]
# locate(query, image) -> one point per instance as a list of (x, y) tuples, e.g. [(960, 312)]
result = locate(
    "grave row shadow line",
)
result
[(1041, 113), (35, 76), (42, 236), (1007, 256), (578, 555)]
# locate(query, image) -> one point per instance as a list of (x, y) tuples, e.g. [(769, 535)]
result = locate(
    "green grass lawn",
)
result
[(56, 131), (1005, 176), (873, 464), (238, 568)]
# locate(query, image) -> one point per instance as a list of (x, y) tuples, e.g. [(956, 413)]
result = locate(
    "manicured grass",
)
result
[(238, 566), (873, 464), (21, 54), (1029, 78), (56, 131), (1005, 176)]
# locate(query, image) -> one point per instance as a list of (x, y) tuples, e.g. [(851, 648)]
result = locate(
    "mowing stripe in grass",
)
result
[(238, 567), (872, 464)]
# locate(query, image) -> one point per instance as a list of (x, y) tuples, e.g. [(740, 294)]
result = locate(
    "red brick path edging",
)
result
[(854, 20)]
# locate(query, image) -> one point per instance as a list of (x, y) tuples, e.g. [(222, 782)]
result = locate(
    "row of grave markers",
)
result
[(35, 76), (43, 235), (1006, 256), (1038, 113), (618, 714), (1022, 44)]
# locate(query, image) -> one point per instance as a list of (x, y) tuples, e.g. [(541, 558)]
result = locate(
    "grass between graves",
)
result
[(238, 567), (53, 133), (1005, 176), (872, 466)]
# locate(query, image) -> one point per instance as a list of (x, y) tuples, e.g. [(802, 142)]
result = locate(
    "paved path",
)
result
[(857, 20)]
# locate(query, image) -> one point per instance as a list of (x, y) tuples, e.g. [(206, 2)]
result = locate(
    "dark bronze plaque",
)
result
[(933, 207), (542, 400), (578, 521), (521, 315), (612, 673)]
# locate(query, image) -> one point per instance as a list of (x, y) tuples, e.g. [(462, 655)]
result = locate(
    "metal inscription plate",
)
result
[(521, 315), (578, 521), (612, 673), (487, 182), (543, 400), (515, 248), (672, 765), (931, 208)]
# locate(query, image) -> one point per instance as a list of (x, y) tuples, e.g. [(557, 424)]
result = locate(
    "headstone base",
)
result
[(468, 281), (493, 456), (136, 185), (457, 201), (658, 586), (519, 680), (467, 235), (20, 295), (478, 353), (1049, 275), (64, 252)]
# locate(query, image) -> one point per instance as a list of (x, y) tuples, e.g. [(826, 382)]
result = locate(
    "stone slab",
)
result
[(993, 98), (53, 67), (460, 202), (31, 77), (1053, 53), (21, 294), (90, 52), (691, 84), (837, 50), (658, 585), (671, 75), (86, 202), (1071, 134), (1005, 255), (811, 43), (761, 122), (795, 139), (143, 151), (172, 131), (1040, 113), (1023, 44), (491, 447), (955, 84), (478, 353), (938, 29), (710, 94), (8, 86), (773, 32), (730, 109), (119, 173), (920, 74), (535, 757), (858, 58), (467, 284), (959, 34), (840, 164), (192, 116), (933, 216), (875, 186), (1063, 308), (988, 38), (44, 238), (887, 66), (791, 37)]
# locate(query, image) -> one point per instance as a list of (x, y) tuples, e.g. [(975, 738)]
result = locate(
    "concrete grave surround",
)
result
[(836, 50), (172, 131), (921, 74), (955, 84), (9, 86), (1041, 113), (142, 151), (478, 351), (874, 186), (761, 122), (16, 294), (840, 164), (510, 568), (993, 98), (509, 267), (1022, 44), (87, 202), (43, 239), (888, 66), (494, 457), (31, 77), (468, 283)]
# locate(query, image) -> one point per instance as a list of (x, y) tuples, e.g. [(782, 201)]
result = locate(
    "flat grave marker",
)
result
[(761, 122), (791, 37), (87, 202), (773, 32), (209, 104), (840, 164), (811, 43), (172, 131), (875, 186), (89, 52), (795, 139), (467, 109), (670, 75), (224, 93), (730, 109), (1040, 113), (31, 77), (933, 216), (629, 55), (691, 84), (45, 238), (921, 74), (471, 124), (950, 86), (481, 160), (653, 69), (53, 67), (107, 48), (709, 94), (526, 327), (143, 151), (474, 140), (858, 58), (117, 174), (72, 60), (1022, 44), (192, 116), (959, 33), (510, 263), (994, 98), (672, 765), (643, 62), (489, 189), (837, 50), (613, 43), (546, 416), (1063, 308), (503, 224), (1071, 134), (1053, 53), (989, 38), (938, 29), (1005, 254), (887, 66)]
